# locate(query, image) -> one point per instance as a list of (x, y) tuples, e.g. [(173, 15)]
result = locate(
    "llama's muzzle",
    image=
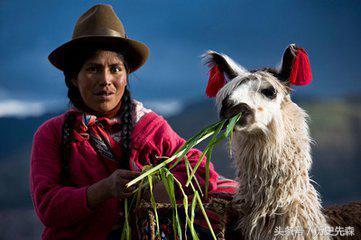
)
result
[(229, 110)]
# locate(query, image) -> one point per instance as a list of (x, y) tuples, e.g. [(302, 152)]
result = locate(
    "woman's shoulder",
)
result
[(51, 126), (139, 111), (144, 116), (146, 121)]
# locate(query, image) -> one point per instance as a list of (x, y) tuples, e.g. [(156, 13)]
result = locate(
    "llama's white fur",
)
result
[(272, 156), (275, 188)]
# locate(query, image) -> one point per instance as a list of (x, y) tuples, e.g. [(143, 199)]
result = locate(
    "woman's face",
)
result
[(101, 81)]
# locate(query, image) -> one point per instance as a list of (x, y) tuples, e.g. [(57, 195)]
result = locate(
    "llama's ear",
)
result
[(295, 66), (222, 70)]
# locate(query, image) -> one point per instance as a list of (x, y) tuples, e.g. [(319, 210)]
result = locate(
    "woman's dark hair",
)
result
[(71, 70)]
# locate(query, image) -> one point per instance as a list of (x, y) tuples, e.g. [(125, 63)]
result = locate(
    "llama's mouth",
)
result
[(239, 128), (230, 110), (246, 119), (242, 124)]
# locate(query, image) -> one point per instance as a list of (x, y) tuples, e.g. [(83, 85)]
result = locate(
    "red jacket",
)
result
[(63, 210)]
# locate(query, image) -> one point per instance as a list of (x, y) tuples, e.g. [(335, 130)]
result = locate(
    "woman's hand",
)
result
[(112, 186), (117, 183)]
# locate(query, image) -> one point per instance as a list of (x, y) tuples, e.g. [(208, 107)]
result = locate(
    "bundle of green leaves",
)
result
[(162, 172)]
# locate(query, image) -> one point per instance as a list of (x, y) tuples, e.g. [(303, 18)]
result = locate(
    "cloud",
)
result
[(28, 108), (22, 108), (11, 108), (166, 108)]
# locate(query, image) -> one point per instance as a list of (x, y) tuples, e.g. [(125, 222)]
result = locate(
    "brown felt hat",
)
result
[(100, 27)]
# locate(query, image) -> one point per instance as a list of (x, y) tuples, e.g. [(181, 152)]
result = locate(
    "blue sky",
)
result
[(253, 33)]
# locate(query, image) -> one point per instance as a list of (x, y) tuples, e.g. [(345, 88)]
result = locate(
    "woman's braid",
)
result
[(127, 113), (66, 147)]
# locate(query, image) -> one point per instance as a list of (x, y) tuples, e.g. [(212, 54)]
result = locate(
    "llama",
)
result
[(271, 150)]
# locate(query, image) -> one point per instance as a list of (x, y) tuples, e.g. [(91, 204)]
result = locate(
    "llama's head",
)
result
[(258, 94)]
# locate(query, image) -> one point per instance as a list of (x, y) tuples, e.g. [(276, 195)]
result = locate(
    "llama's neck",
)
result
[(275, 190)]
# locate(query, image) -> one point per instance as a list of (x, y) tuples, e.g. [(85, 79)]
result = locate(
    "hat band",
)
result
[(100, 32)]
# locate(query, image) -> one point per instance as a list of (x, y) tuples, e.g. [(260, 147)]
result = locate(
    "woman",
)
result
[(82, 159)]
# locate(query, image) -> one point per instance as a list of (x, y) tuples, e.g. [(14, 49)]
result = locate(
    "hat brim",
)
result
[(135, 52)]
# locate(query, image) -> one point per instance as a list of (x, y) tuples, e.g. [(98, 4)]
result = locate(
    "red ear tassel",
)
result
[(216, 81), (301, 70)]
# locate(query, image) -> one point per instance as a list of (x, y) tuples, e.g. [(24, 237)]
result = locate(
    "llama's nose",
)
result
[(228, 111)]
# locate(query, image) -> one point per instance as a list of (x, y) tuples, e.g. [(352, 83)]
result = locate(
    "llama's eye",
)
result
[(270, 92)]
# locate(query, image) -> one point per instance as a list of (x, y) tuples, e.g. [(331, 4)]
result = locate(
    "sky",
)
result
[(253, 33)]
